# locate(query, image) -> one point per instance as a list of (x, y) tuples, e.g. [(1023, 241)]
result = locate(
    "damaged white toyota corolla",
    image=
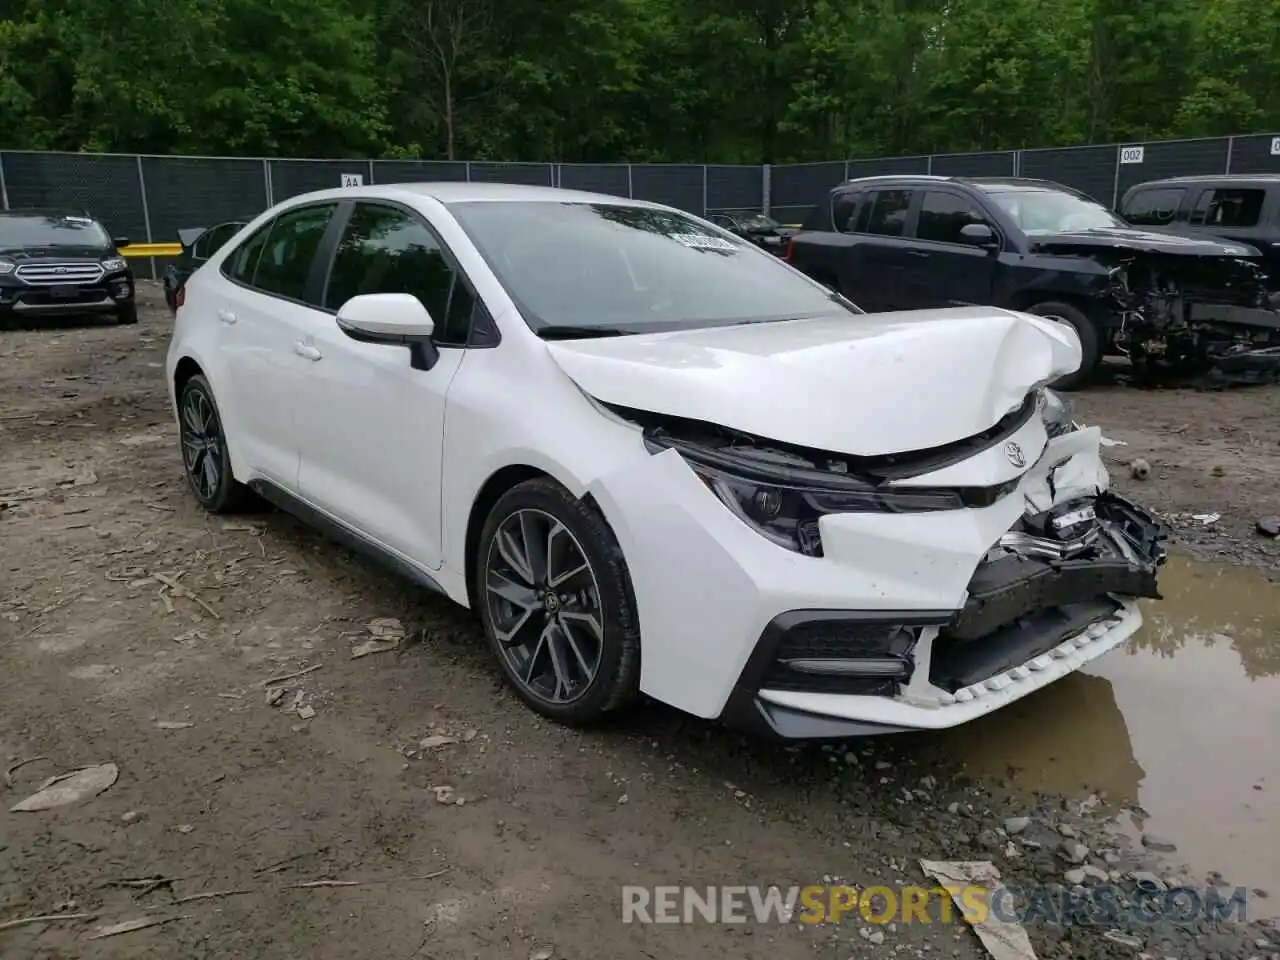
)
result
[(656, 459)]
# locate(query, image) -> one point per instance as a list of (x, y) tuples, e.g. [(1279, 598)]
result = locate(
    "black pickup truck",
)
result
[(1243, 208), (1193, 304)]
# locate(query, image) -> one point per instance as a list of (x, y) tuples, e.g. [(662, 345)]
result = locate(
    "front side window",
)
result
[(1154, 208), (1042, 211), (889, 213), (617, 268), (1229, 208), (944, 215), (387, 250), (284, 265)]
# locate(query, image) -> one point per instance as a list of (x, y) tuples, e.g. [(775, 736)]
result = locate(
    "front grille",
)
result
[(45, 298), (52, 274)]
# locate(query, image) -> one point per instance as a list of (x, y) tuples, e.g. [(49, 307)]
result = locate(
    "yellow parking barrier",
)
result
[(151, 250)]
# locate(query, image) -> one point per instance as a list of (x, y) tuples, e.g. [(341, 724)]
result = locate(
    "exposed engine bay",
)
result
[(1211, 318)]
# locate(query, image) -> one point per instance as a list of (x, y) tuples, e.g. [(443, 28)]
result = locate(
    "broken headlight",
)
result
[(1056, 412), (782, 497)]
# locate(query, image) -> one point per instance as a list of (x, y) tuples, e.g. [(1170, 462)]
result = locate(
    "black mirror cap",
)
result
[(119, 242)]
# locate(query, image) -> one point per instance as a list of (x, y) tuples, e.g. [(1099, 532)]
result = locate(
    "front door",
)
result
[(945, 270), (370, 427)]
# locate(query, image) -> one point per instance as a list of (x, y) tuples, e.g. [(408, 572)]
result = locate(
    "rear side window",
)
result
[(889, 213), (244, 260), (1154, 208), (843, 209), (944, 215), (387, 250), (285, 263), (1231, 207)]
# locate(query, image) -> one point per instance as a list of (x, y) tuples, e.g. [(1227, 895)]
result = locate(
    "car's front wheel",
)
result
[(204, 450), (1090, 341), (556, 602)]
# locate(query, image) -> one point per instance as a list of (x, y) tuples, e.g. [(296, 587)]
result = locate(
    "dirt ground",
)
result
[(102, 659)]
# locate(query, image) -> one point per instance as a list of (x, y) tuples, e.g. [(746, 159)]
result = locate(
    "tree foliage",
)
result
[(609, 80)]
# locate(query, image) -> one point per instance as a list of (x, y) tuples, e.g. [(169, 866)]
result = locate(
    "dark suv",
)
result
[(198, 245), (54, 263), (914, 242)]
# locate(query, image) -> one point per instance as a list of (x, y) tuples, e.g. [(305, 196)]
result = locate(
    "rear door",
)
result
[(263, 308), (1240, 212), (884, 254), (944, 270)]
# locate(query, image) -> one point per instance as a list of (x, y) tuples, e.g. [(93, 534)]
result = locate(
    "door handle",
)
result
[(307, 350), (227, 317), (923, 254)]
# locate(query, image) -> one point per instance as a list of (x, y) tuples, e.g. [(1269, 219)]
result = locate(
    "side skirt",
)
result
[(343, 534)]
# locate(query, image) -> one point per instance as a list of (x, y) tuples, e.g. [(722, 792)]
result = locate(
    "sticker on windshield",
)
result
[(702, 241)]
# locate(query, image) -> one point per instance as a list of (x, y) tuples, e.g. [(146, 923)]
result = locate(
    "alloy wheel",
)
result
[(201, 443), (544, 606)]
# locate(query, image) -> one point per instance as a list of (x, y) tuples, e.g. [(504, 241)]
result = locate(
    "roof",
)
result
[(1001, 183), (462, 192), (1217, 178)]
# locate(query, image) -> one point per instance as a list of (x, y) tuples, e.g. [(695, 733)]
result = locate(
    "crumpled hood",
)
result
[(862, 386), (1150, 241)]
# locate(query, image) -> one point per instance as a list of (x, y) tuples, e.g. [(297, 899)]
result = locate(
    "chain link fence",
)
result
[(149, 198)]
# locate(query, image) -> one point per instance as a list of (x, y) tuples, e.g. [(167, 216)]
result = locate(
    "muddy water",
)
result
[(1183, 721)]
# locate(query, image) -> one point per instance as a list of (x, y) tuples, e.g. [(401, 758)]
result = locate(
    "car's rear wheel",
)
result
[(205, 456), (556, 602), (127, 314), (1090, 341)]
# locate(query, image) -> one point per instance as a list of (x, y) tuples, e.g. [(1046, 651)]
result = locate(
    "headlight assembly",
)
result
[(113, 264), (1056, 412), (783, 503)]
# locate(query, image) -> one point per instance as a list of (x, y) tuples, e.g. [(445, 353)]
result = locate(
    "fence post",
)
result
[(631, 190), (1017, 163), (557, 175), (4, 187), (146, 212), (468, 171), (766, 187), (928, 165), (1115, 179), (846, 171), (371, 179), (266, 182), (1231, 146), (704, 189)]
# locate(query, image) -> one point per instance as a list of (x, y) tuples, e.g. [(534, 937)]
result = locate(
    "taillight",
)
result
[(181, 297), (791, 248)]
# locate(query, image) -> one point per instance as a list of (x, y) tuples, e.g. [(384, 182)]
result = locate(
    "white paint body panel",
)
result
[(400, 455)]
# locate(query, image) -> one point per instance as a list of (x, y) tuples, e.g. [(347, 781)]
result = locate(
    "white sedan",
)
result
[(656, 459)]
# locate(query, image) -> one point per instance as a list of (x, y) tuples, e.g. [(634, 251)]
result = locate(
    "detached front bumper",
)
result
[(908, 621)]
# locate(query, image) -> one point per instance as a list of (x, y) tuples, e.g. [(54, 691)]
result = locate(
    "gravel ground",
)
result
[(220, 790)]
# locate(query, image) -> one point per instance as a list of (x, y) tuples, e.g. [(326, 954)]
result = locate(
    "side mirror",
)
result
[(397, 319), (119, 242), (978, 234)]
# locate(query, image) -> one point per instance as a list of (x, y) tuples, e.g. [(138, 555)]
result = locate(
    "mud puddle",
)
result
[(1183, 722)]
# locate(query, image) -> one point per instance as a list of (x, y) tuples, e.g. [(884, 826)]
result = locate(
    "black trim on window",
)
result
[(483, 332), (308, 288)]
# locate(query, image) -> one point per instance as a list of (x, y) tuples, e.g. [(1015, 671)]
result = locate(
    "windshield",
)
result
[(1053, 211), (22, 231), (631, 269)]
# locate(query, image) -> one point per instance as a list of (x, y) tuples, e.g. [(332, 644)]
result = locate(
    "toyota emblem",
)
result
[(1014, 452)]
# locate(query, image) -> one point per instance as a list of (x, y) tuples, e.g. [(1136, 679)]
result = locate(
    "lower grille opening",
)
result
[(962, 661), (843, 656)]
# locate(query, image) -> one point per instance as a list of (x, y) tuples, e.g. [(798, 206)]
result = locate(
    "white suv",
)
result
[(656, 459)]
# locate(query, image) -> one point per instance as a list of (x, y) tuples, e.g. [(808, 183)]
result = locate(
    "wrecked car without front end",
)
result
[(1194, 305)]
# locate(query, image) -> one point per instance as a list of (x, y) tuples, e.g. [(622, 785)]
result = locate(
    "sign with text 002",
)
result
[(1132, 154)]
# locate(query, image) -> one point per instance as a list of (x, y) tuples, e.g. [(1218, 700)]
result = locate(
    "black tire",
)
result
[(1090, 341), (205, 457), (127, 314), (603, 592)]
